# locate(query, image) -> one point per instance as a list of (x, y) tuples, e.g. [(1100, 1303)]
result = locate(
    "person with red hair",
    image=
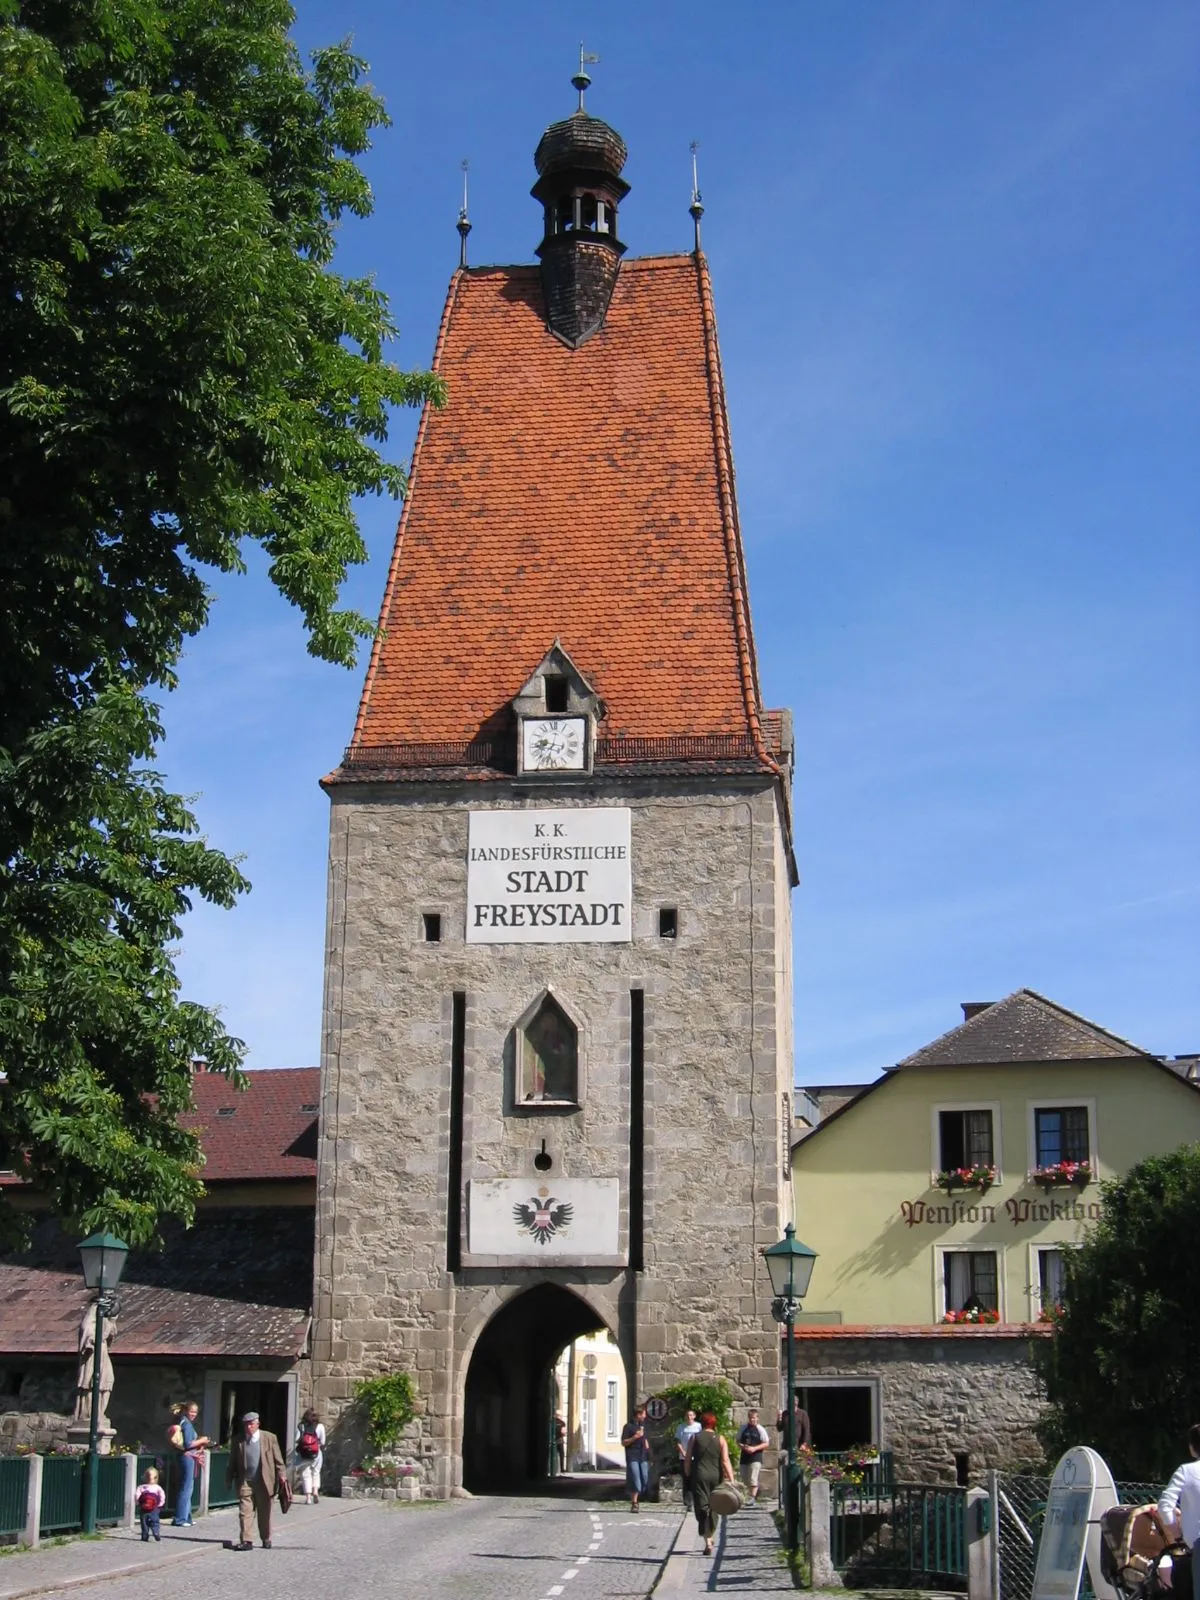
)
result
[(707, 1464)]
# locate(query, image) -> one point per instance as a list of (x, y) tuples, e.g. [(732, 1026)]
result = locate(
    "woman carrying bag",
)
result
[(708, 1465)]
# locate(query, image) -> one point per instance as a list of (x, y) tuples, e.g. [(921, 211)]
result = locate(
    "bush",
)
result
[(699, 1397), (390, 1402)]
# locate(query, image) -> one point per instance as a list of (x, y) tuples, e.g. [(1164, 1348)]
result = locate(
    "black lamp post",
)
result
[(103, 1257), (790, 1265)]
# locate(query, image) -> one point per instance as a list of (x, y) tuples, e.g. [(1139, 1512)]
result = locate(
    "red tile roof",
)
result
[(267, 1131), (581, 495)]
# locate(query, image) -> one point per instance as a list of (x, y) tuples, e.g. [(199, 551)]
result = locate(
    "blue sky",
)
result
[(955, 254)]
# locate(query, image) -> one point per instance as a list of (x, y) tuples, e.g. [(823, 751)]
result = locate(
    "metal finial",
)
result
[(464, 222), (696, 209), (581, 80)]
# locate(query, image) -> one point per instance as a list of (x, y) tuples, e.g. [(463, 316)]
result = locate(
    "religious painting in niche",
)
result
[(548, 1055)]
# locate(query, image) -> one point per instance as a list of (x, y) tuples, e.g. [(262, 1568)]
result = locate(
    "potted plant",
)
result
[(981, 1176), (972, 1316), (1063, 1174)]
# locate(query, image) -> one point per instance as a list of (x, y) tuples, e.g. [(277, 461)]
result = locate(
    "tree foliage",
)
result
[(1120, 1369), (390, 1404), (181, 371)]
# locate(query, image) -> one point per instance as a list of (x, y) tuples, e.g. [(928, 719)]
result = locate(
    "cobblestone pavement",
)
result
[(484, 1549)]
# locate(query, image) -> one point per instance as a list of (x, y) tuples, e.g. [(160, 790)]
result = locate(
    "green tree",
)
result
[(1120, 1369), (181, 371)]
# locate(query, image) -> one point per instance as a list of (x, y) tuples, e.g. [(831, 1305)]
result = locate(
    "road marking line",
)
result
[(556, 1588), (572, 1574)]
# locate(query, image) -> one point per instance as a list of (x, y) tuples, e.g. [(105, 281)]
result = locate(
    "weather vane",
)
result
[(581, 80), (696, 209), (464, 222)]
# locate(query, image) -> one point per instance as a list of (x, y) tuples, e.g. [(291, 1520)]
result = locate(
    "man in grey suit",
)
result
[(256, 1465)]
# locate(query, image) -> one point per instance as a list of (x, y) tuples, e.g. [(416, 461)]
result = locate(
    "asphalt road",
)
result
[(484, 1549)]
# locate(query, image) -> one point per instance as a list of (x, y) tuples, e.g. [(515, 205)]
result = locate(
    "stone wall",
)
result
[(941, 1393), (717, 1074)]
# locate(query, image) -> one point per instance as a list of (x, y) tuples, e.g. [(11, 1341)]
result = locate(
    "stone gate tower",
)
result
[(557, 1054)]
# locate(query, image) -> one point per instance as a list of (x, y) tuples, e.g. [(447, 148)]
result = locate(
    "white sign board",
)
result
[(1081, 1490), (549, 877), (553, 1220)]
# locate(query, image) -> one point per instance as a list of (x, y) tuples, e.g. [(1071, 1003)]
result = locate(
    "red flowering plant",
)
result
[(1058, 1174), (981, 1176), (972, 1315), (384, 1470)]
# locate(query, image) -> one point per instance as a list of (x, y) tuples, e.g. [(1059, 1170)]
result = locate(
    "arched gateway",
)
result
[(557, 1055)]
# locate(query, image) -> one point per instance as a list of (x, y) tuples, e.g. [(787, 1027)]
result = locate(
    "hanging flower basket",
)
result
[(972, 1318), (979, 1177), (1063, 1175)]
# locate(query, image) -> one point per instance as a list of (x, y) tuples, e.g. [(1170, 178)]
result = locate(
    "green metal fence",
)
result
[(219, 1493), (62, 1494), (14, 1492), (902, 1535), (110, 1490)]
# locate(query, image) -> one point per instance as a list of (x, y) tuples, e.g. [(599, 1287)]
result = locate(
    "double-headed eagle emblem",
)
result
[(543, 1216)]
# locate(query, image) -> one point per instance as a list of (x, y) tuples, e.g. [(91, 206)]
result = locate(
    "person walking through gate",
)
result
[(684, 1434), (752, 1441), (637, 1456), (310, 1455), (256, 1466), (707, 1463)]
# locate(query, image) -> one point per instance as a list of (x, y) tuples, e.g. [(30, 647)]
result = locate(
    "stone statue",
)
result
[(87, 1359)]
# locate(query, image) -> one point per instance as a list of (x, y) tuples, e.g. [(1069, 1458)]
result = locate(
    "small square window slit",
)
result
[(668, 923), (431, 927)]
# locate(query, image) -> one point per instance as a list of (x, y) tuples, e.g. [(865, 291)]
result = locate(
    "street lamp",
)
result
[(103, 1257), (790, 1265)]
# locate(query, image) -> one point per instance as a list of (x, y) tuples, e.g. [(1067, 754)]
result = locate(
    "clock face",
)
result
[(552, 744)]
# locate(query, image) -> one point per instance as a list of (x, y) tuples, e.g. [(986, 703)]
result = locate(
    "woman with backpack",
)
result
[(310, 1451)]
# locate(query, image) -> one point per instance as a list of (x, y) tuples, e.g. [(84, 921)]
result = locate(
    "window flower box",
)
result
[(980, 1177), (1063, 1175), (972, 1316)]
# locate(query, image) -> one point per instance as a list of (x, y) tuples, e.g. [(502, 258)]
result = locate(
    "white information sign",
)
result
[(549, 877), (552, 1220), (1081, 1490)]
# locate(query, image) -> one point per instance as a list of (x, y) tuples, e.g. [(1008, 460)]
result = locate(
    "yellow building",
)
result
[(941, 1200), (590, 1393)]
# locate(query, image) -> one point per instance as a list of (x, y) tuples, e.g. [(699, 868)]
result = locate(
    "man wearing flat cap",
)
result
[(256, 1465)]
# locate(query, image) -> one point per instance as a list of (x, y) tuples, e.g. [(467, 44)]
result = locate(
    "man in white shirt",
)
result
[(752, 1441), (684, 1434), (1179, 1504)]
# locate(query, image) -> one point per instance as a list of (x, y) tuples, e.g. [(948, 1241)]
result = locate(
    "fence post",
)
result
[(981, 1534), (205, 1480), (816, 1516), (130, 1461), (33, 1504), (994, 1496)]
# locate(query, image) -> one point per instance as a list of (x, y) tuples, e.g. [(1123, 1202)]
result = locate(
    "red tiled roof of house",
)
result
[(269, 1130), (582, 495)]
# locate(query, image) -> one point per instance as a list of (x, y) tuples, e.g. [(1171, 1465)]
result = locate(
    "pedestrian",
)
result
[(1179, 1505), (708, 1465), (684, 1435), (637, 1456), (151, 1498), (752, 1442), (804, 1433), (256, 1466), (560, 1441), (190, 1446), (310, 1454)]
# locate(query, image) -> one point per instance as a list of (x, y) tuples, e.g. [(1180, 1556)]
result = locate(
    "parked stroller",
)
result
[(1138, 1558)]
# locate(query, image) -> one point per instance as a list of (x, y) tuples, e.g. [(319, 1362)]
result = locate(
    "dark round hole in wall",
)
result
[(543, 1161)]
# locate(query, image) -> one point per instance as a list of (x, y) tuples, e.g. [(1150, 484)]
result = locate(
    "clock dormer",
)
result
[(557, 711)]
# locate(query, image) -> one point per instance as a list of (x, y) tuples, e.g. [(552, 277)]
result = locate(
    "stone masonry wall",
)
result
[(716, 1074), (938, 1396)]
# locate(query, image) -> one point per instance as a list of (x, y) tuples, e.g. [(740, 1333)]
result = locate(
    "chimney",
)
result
[(972, 1008)]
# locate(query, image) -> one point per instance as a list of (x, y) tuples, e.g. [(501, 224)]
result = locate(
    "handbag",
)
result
[(284, 1490)]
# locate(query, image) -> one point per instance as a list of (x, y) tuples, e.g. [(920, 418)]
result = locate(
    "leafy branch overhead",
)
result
[(181, 371)]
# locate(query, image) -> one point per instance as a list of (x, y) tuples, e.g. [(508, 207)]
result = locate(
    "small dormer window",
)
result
[(556, 695)]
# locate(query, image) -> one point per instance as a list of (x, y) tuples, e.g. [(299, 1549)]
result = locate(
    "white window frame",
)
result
[(1036, 1252), (215, 1377), (1058, 1103), (935, 1131), (612, 1408), (805, 1380), (941, 1251)]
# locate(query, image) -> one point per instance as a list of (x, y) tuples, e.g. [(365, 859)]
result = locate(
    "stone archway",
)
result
[(507, 1411)]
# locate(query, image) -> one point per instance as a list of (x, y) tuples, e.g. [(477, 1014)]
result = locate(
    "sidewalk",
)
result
[(118, 1553), (748, 1559)]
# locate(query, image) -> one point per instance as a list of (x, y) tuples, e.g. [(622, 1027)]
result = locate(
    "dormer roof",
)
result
[(1024, 1027)]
